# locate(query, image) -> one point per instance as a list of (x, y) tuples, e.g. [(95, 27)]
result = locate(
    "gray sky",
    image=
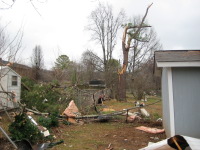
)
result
[(60, 28)]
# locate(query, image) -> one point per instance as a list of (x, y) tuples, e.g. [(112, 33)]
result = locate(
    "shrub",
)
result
[(54, 119), (23, 128), (44, 121), (38, 93), (51, 121)]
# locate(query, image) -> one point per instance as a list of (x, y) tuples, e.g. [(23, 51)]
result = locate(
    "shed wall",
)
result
[(165, 97), (6, 82), (3, 96), (186, 94), (16, 89)]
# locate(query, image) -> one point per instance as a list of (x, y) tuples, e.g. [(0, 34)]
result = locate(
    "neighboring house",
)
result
[(10, 88), (180, 91)]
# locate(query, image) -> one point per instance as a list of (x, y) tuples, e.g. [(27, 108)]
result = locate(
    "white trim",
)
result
[(8, 69), (179, 64), (171, 101)]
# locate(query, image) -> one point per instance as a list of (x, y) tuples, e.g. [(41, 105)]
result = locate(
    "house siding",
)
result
[(165, 97), (186, 95)]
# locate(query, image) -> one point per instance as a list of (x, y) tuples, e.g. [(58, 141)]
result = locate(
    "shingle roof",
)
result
[(177, 55)]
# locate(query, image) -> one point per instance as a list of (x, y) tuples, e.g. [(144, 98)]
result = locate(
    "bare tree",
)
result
[(9, 47), (131, 32), (7, 4), (104, 27), (142, 49), (144, 80), (92, 64), (37, 60), (91, 59), (140, 54)]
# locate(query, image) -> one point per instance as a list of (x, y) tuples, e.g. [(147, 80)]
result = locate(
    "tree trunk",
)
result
[(126, 44), (122, 87), (122, 76)]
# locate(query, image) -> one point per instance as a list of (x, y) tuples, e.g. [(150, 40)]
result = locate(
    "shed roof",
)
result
[(8, 70), (177, 56)]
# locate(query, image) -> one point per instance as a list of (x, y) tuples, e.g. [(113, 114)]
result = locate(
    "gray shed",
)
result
[(10, 88), (180, 71)]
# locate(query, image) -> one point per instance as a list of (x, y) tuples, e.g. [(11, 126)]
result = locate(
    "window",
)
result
[(14, 80)]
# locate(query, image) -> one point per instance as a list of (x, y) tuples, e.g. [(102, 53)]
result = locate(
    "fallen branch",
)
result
[(36, 112), (114, 113)]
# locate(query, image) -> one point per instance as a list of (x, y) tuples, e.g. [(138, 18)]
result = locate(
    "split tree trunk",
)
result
[(126, 45), (122, 75)]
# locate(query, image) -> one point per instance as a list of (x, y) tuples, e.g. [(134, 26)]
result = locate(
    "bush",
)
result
[(51, 121), (38, 93), (44, 121), (54, 119), (23, 128)]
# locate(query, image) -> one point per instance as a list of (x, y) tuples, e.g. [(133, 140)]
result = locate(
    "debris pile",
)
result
[(71, 112)]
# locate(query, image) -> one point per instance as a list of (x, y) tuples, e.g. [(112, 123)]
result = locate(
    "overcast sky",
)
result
[(61, 27)]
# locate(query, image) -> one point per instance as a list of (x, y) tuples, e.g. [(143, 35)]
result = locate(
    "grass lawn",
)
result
[(97, 136)]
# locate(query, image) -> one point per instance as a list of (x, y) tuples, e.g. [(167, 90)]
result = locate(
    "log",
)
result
[(36, 112)]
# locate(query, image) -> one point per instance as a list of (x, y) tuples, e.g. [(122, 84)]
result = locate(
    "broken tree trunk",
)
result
[(126, 45)]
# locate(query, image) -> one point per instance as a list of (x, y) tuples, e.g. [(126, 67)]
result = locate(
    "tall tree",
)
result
[(62, 62), (142, 49), (7, 4), (10, 46), (37, 60), (144, 80), (131, 32), (92, 64), (104, 27), (140, 53)]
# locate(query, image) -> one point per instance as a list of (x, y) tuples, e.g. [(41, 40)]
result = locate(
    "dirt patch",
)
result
[(129, 138), (5, 144)]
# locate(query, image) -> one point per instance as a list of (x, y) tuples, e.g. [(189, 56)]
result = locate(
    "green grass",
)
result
[(156, 109), (88, 136), (117, 105)]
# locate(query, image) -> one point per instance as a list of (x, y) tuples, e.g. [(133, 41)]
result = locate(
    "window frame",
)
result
[(14, 81)]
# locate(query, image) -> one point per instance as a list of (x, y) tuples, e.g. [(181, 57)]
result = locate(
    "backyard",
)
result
[(115, 133)]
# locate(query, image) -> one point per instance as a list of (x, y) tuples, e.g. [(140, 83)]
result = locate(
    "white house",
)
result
[(180, 71), (10, 87)]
